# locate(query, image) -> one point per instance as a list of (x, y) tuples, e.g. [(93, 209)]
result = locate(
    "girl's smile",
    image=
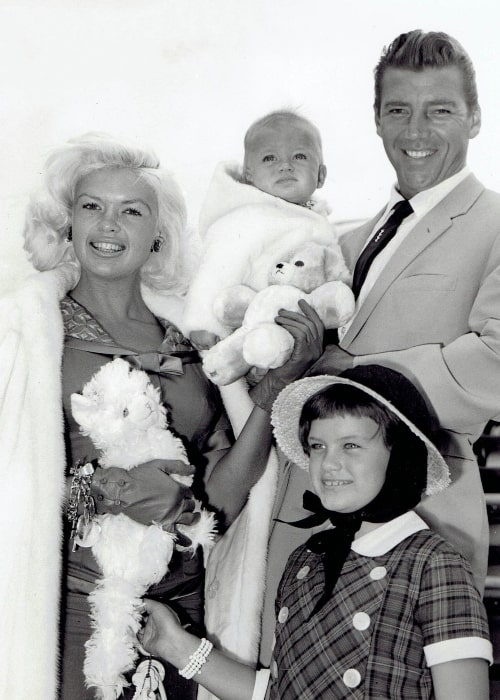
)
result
[(347, 462)]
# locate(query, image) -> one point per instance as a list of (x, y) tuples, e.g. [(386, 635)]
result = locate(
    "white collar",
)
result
[(387, 536), (426, 200)]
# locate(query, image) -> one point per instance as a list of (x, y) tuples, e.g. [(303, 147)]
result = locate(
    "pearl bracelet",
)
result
[(197, 659)]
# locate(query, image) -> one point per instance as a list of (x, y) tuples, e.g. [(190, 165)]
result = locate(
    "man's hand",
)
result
[(334, 360)]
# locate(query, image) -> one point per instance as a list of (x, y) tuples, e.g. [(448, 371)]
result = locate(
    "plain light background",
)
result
[(187, 77)]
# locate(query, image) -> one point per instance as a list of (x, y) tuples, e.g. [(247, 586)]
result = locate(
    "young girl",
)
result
[(376, 606)]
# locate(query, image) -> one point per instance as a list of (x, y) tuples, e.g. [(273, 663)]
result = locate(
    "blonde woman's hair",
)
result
[(49, 213)]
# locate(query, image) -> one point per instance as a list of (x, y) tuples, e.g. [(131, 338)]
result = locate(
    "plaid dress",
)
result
[(404, 601)]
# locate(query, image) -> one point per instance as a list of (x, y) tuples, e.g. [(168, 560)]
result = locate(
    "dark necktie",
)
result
[(380, 239)]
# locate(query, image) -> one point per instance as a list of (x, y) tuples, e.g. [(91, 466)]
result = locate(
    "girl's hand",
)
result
[(161, 632)]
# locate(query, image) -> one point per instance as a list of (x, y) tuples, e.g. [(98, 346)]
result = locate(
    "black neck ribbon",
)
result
[(335, 544)]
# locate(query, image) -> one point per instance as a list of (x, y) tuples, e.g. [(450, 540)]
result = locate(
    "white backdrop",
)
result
[(188, 76)]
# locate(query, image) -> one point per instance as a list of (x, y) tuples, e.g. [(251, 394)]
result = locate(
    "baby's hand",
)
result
[(255, 374), (203, 340)]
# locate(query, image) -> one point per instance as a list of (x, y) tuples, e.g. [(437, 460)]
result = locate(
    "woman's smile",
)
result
[(107, 248), (115, 220)]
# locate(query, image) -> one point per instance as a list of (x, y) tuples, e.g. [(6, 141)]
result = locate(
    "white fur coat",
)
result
[(32, 467), (243, 230), (32, 480)]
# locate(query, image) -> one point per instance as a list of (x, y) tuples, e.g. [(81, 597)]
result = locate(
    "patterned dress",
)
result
[(405, 600), (196, 414)]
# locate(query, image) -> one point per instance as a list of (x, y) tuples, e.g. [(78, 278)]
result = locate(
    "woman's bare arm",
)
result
[(235, 474)]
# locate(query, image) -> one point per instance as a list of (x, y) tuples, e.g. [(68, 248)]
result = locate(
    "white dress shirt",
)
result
[(421, 203)]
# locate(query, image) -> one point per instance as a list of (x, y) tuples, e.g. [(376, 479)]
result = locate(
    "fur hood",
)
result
[(228, 191)]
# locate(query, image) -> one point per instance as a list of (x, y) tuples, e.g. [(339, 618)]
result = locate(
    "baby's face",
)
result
[(285, 160)]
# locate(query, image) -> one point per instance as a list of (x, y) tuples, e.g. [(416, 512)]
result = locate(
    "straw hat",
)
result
[(387, 386)]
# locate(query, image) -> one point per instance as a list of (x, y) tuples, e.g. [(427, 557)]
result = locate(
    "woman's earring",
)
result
[(69, 235), (157, 245)]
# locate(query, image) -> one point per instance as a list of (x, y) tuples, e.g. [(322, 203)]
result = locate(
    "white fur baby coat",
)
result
[(243, 230)]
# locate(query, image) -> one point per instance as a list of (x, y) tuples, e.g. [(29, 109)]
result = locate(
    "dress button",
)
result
[(117, 502), (283, 615), (352, 678), (303, 572), (104, 480), (361, 621), (100, 497), (378, 572), (122, 482)]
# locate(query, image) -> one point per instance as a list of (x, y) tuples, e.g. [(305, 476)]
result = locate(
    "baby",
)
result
[(374, 604), (283, 157), (266, 204)]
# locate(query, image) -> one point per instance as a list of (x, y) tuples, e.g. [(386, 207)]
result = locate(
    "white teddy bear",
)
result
[(313, 272), (122, 413)]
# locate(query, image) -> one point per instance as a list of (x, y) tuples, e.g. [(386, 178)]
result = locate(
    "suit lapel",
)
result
[(433, 225)]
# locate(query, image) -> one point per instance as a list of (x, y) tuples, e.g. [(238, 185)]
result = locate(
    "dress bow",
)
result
[(157, 362)]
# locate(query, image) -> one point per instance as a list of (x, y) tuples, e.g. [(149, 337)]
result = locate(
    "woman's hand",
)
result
[(307, 330), (145, 493)]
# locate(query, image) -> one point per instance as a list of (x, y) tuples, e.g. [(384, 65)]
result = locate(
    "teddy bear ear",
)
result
[(83, 410), (335, 267)]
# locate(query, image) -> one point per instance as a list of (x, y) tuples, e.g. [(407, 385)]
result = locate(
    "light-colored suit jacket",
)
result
[(434, 315)]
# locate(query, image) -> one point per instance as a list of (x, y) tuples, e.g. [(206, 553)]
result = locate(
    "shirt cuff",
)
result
[(461, 648), (261, 683)]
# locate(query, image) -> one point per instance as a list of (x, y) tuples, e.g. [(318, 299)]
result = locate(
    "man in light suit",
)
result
[(428, 302)]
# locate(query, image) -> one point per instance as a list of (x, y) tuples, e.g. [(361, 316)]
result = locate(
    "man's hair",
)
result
[(277, 117), (417, 50)]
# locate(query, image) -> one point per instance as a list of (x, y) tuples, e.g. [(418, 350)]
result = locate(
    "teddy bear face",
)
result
[(309, 266)]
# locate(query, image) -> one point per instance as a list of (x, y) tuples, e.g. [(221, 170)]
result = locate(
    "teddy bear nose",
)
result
[(279, 266)]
